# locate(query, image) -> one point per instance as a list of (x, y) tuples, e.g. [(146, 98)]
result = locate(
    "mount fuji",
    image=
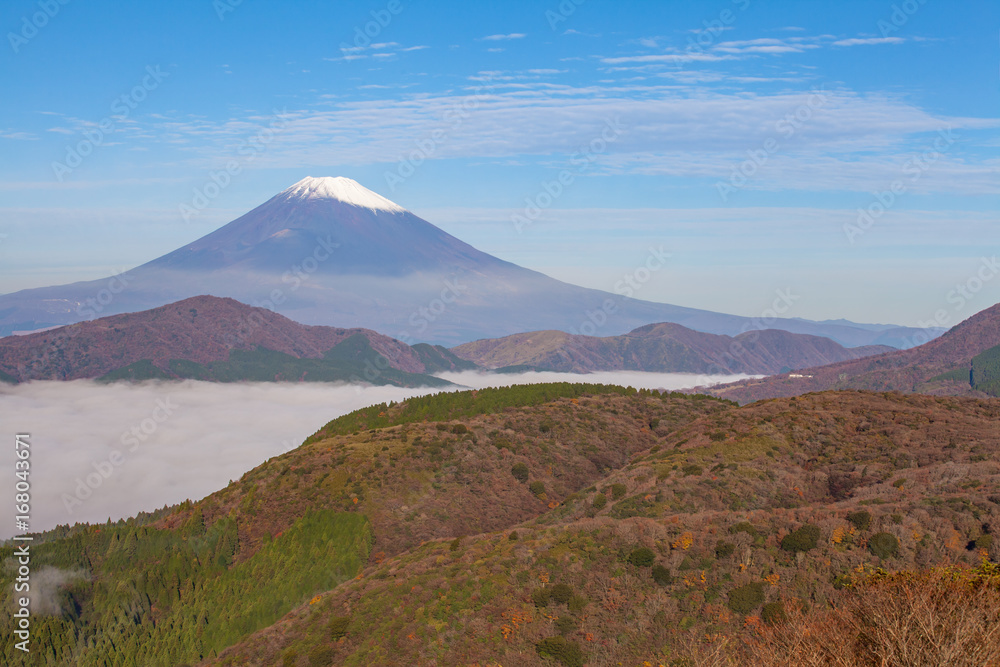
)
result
[(328, 251)]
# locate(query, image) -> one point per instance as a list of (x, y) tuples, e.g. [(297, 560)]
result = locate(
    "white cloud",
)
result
[(679, 129), (497, 38), (863, 41), (385, 49), (17, 135), (673, 58), (767, 45)]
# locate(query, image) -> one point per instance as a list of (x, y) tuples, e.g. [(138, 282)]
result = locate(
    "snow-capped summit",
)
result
[(342, 189)]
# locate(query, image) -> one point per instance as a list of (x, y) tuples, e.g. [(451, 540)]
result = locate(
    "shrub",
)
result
[(459, 429), (513, 536), (744, 527), (642, 557), (773, 613), (600, 500), (456, 544), (884, 545), (537, 488), (746, 598), (984, 542), (561, 593), (662, 576), (338, 626), (860, 520), (803, 539), (561, 649), (565, 625), (577, 603), (540, 596), (840, 485), (692, 469), (520, 472), (321, 656), (724, 549), (289, 658), (617, 491), (943, 616)]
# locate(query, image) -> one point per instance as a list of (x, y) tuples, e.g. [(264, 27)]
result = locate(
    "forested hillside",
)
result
[(184, 583), (552, 525)]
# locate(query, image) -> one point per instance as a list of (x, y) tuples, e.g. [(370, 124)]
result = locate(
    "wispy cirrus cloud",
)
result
[(18, 135), (847, 143), (865, 41), (501, 37), (766, 45), (377, 50), (738, 49)]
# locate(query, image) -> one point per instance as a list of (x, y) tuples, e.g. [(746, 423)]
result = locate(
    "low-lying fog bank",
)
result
[(100, 451)]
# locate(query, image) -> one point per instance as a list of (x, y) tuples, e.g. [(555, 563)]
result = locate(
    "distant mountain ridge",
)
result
[(663, 348), (327, 251), (212, 338), (944, 366)]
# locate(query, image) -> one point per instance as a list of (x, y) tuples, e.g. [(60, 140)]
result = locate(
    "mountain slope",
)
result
[(193, 578), (480, 527), (211, 338), (327, 251), (689, 540), (664, 348), (943, 366)]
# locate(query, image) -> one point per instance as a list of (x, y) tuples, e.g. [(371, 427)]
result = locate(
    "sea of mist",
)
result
[(109, 451)]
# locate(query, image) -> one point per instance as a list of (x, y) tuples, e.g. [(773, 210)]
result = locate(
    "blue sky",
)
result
[(743, 136)]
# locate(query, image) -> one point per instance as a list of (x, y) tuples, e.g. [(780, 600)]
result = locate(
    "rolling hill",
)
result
[(663, 348), (216, 339), (962, 362), (539, 525)]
